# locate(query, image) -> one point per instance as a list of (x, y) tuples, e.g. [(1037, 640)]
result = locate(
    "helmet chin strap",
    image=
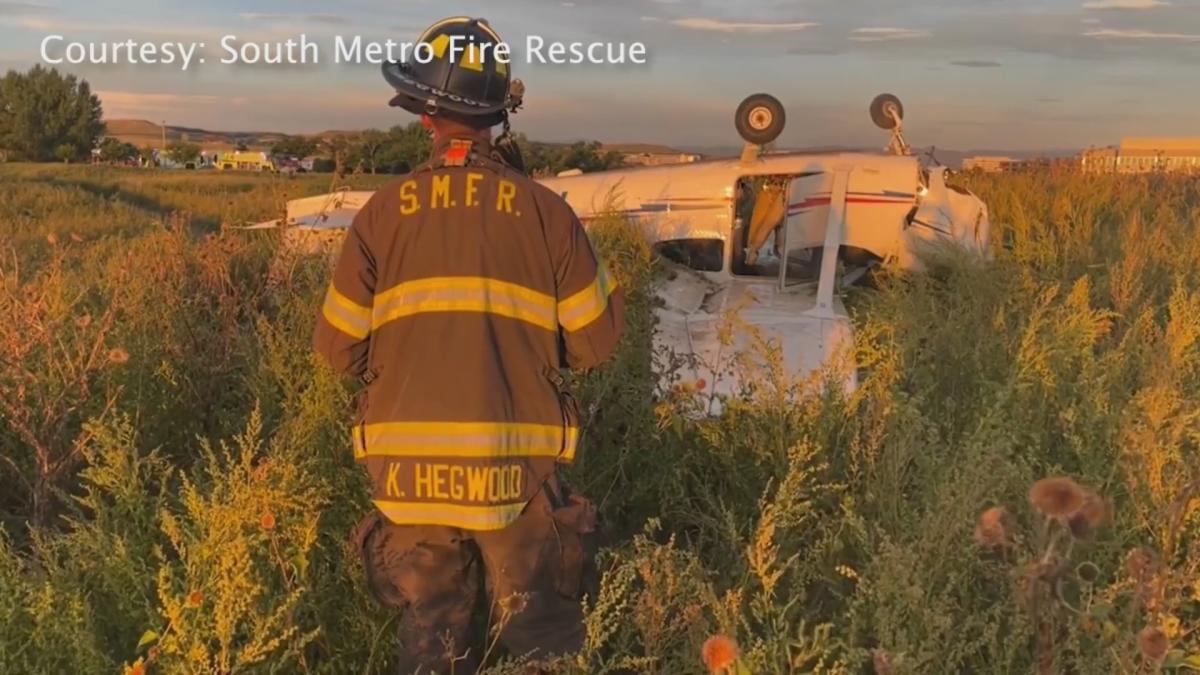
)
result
[(505, 148)]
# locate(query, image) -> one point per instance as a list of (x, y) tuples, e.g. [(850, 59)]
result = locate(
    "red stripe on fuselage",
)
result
[(825, 201), (878, 200)]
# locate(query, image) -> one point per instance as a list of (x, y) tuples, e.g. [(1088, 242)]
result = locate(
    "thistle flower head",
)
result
[(1152, 643), (1056, 497), (1139, 564), (993, 528), (1088, 572), (882, 662), (719, 653), (514, 603), (1094, 513), (1096, 509)]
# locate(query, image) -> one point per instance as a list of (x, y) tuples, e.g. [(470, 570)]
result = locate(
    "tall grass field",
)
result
[(1014, 488)]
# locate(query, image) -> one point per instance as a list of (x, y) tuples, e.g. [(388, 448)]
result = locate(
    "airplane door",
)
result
[(807, 214), (808, 211), (816, 217)]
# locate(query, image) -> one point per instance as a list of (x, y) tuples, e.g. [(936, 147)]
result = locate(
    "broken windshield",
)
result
[(702, 255)]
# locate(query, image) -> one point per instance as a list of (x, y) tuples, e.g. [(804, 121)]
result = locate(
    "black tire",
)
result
[(759, 119), (879, 111)]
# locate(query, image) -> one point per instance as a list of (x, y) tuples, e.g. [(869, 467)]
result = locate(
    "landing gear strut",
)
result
[(887, 112)]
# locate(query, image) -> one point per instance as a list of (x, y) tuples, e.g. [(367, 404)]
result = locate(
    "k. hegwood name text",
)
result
[(340, 49)]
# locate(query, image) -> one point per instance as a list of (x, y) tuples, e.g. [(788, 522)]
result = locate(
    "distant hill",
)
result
[(143, 132), (948, 157), (1015, 154)]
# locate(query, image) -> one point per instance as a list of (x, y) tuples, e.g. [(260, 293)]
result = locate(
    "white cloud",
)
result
[(651, 19), (1121, 34), (1125, 4), (137, 104), (212, 111), (699, 23), (120, 31), (301, 18), (1091, 21), (885, 34), (13, 8)]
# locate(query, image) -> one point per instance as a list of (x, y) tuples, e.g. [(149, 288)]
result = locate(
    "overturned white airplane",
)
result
[(747, 235)]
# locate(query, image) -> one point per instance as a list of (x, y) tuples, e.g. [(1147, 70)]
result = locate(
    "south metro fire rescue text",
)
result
[(302, 50)]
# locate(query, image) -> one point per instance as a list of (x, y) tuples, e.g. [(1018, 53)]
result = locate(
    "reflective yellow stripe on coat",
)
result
[(469, 439), (346, 315), (465, 294), (584, 307), (482, 294)]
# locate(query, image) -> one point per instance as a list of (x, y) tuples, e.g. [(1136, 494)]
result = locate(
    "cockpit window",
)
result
[(703, 255)]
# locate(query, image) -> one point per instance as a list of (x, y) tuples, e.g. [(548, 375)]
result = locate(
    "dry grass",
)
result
[(178, 485)]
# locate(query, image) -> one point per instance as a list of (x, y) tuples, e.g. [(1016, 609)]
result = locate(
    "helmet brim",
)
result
[(419, 98)]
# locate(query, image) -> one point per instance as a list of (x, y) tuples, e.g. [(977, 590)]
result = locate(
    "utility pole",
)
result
[(162, 150)]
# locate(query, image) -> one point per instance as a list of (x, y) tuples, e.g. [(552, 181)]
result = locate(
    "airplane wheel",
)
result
[(759, 119), (882, 106)]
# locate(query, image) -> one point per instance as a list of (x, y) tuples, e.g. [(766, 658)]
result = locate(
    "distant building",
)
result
[(1140, 155), (1145, 155), (1099, 160), (992, 164), (645, 154)]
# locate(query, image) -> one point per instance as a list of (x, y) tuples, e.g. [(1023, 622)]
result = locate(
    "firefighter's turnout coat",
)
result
[(461, 291)]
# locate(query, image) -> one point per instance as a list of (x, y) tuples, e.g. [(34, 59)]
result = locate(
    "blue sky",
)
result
[(1003, 74)]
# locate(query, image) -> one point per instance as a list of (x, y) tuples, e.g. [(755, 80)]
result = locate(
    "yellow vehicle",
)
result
[(245, 161)]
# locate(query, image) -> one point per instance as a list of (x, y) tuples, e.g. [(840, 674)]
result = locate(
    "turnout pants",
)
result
[(536, 571)]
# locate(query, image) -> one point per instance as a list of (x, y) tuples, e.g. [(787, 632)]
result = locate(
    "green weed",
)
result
[(179, 485)]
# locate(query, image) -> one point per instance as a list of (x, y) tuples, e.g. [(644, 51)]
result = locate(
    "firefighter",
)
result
[(462, 291)]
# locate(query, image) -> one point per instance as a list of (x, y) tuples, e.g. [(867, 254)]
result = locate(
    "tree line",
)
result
[(403, 147), (46, 115)]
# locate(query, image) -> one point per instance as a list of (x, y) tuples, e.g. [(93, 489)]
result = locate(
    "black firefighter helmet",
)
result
[(456, 73)]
